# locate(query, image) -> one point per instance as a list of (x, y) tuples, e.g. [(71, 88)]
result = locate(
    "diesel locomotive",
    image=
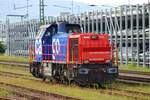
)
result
[(63, 53)]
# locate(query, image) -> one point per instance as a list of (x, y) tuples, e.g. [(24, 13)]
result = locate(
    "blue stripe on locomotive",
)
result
[(59, 47)]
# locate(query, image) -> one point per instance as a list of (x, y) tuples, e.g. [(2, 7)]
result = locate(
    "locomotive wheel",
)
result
[(44, 78), (53, 80), (36, 72), (32, 69), (40, 73), (64, 81)]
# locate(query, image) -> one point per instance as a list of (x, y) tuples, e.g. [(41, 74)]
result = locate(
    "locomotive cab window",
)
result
[(73, 28), (51, 31)]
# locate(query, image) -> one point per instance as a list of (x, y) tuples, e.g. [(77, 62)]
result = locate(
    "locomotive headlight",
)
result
[(86, 61), (83, 71), (112, 70)]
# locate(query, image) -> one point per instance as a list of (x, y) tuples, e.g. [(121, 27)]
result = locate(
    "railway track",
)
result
[(2, 98), (135, 72), (110, 91), (15, 64), (134, 78), (131, 77), (15, 75), (127, 93), (32, 94), (21, 76)]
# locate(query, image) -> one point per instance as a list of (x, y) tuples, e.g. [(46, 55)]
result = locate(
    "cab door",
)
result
[(74, 50)]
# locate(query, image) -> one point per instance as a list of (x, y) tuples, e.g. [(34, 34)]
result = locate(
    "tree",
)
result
[(2, 48)]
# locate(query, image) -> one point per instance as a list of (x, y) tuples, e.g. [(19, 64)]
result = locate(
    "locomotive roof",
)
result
[(46, 26)]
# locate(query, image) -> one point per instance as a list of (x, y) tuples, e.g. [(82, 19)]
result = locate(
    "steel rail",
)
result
[(110, 91), (38, 92)]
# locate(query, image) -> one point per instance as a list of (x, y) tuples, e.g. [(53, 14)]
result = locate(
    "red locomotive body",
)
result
[(90, 48)]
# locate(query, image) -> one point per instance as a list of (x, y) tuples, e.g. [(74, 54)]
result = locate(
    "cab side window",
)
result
[(73, 28), (51, 31)]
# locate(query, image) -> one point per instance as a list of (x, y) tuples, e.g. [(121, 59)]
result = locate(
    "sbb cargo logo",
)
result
[(55, 47), (38, 47)]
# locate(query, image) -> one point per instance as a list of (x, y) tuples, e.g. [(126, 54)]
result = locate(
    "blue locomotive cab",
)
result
[(60, 40), (43, 42)]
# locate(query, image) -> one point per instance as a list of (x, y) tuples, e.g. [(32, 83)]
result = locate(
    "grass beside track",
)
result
[(4, 92), (20, 70), (77, 92), (131, 87), (73, 91), (13, 58), (15, 69)]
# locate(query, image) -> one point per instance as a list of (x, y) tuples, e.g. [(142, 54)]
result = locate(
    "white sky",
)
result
[(7, 6), (113, 2)]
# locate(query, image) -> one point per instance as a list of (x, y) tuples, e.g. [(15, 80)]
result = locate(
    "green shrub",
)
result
[(2, 48)]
